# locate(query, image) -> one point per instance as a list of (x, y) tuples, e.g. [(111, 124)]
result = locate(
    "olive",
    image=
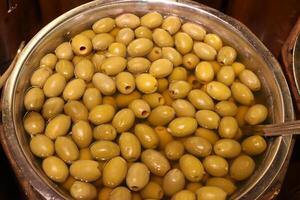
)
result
[(91, 98), (146, 136), (85, 170), (84, 70), (138, 176), (155, 54), (120, 193), (76, 110), (227, 148), (242, 167), (178, 74), (130, 146), (82, 134), (218, 90), (143, 32), (216, 66), (156, 162), (238, 67), (216, 165), (174, 150), (207, 134), (64, 51), (183, 108), (123, 100), (140, 108), (226, 55), (152, 191), (54, 85), (213, 40), (161, 68), (138, 65), (242, 94), (183, 42), (226, 75), (113, 65), (182, 126), (101, 114), (34, 99), (104, 132), (179, 89), (52, 107), (204, 51), (193, 186), (201, 100), (114, 172), (82, 190), (104, 193), (151, 20), (74, 89), (58, 126), (223, 183), (171, 24), (85, 154), (49, 60), (40, 76), (162, 38), (41, 146), (125, 36), (210, 193), (254, 145), (164, 136), (117, 49), (208, 119), (161, 115), (125, 82), (65, 68), (81, 45), (173, 182), (204, 72), (66, 149), (102, 41), (128, 20), (197, 32), (146, 83), (256, 114), (123, 120), (191, 167), (190, 61), (104, 25), (226, 108), (184, 195), (240, 115), (198, 146), (139, 47), (55, 169), (154, 99), (228, 127), (98, 60), (104, 150)]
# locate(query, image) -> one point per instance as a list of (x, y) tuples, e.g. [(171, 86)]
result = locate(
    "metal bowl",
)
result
[(252, 52)]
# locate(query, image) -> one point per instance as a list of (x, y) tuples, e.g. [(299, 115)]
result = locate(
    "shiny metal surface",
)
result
[(252, 52), (296, 63)]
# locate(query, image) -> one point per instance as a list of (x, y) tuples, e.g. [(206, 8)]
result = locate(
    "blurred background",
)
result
[(270, 20)]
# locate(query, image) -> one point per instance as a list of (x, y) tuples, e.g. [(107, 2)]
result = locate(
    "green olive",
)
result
[(238, 67), (151, 20), (226, 55), (40, 76), (155, 54), (125, 82), (183, 42), (191, 167), (49, 60), (242, 167), (226, 108), (117, 49), (242, 94), (84, 70), (171, 24), (138, 65), (228, 127), (204, 51), (163, 84), (55, 169), (146, 136), (184, 195), (101, 114), (104, 25), (162, 38), (58, 126), (143, 32), (197, 32), (105, 132), (146, 83), (125, 36), (173, 182), (154, 99), (76, 110), (190, 61), (98, 60), (64, 51), (223, 183), (85, 170), (218, 90), (161, 68), (178, 74), (123, 120), (254, 145), (250, 79), (183, 108), (161, 115), (82, 134), (128, 20), (174, 150), (74, 89), (182, 126), (66, 149), (113, 65), (138, 176), (226, 75), (116, 166), (104, 150), (34, 99), (152, 191), (201, 100), (207, 134), (156, 162), (198, 146), (52, 107), (208, 119), (213, 40), (89, 33), (102, 41), (82, 190), (179, 89), (130, 146), (216, 165), (204, 72), (120, 193), (140, 108), (91, 98), (210, 193), (139, 47), (41, 146), (256, 114), (54, 85), (81, 45), (123, 100), (227, 148), (104, 83), (65, 68)]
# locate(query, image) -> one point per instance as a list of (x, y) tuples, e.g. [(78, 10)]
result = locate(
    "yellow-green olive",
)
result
[(123, 100), (98, 60), (254, 145), (81, 190), (223, 183), (161, 115), (65, 68), (104, 150), (242, 167), (40, 76), (52, 107), (179, 89), (156, 162), (138, 176), (173, 182), (192, 79), (128, 20), (183, 42), (41, 146), (216, 165), (34, 99), (125, 36), (85, 170), (130, 146), (138, 65), (55, 169), (171, 24), (140, 108), (74, 89), (191, 167), (146, 83), (178, 74), (226, 108), (101, 114), (76, 110), (104, 25), (201, 100), (117, 49), (66, 149), (174, 150), (208, 119), (113, 65), (152, 191), (226, 55), (64, 51), (123, 120), (228, 127), (154, 54), (143, 32), (82, 134), (190, 61), (184, 195), (139, 47), (162, 38), (104, 83), (240, 115), (227, 148), (104, 132), (226, 75), (210, 193), (182, 126), (91, 98), (58, 126), (125, 82), (161, 68), (242, 94), (183, 108), (49, 60), (84, 70), (197, 32), (213, 40), (151, 20), (204, 72), (146, 136), (116, 166), (218, 90), (81, 45), (204, 51), (238, 67), (102, 41), (207, 134), (89, 33), (197, 146), (250, 79), (154, 99), (54, 85), (120, 193)]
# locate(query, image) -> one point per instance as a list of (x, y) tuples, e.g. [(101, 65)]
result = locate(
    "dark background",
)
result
[(270, 20)]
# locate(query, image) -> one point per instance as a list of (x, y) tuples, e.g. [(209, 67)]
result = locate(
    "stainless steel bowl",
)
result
[(252, 52)]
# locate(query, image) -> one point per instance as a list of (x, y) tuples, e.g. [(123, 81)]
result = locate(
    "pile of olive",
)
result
[(144, 108)]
